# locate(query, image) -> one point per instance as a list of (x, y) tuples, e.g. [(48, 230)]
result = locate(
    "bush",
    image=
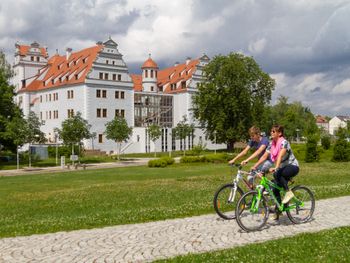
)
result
[(168, 160), (161, 162), (197, 149), (326, 142), (63, 150), (311, 154), (193, 159), (218, 158), (341, 151), (210, 158)]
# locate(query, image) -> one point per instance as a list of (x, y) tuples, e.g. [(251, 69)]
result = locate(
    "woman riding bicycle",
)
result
[(286, 165), (259, 143)]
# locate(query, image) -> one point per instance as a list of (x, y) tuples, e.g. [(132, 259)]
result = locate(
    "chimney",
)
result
[(188, 59), (68, 52)]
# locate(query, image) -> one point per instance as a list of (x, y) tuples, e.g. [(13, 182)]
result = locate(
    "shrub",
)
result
[(197, 149), (192, 159), (341, 151), (326, 142), (311, 154), (217, 158), (157, 163), (168, 160)]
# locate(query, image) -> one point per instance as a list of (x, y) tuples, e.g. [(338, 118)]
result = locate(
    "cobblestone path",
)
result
[(162, 239)]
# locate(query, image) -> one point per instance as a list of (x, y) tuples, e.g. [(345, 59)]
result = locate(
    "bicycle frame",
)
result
[(267, 185), (239, 177)]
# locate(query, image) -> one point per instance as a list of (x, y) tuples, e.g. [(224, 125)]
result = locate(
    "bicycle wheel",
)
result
[(301, 208), (251, 213), (225, 201)]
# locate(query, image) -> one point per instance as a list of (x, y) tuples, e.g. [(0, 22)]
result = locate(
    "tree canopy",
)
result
[(118, 131), (9, 110), (154, 133), (74, 130), (296, 119), (234, 97)]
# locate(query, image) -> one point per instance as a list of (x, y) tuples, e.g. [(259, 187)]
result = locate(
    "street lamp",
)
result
[(297, 130), (215, 141), (171, 143), (56, 137)]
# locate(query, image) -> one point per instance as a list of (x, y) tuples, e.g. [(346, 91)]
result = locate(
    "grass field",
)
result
[(325, 246), (53, 202)]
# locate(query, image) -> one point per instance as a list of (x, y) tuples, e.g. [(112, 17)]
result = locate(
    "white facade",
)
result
[(336, 122), (96, 83)]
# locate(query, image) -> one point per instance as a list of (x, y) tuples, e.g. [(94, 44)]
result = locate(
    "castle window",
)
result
[(119, 77), (104, 93), (104, 113), (106, 76), (37, 59), (146, 73), (122, 94), (114, 76), (101, 75), (100, 138), (76, 76), (117, 94), (98, 93), (98, 113), (113, 62), (151, 73), (107, 62), (32, 58)]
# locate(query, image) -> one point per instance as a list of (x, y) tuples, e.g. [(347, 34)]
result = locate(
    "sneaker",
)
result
[(289, 195)]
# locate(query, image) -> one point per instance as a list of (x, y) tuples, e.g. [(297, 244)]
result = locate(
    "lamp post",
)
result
[(56, 137), (215, 141), (171, 143), (297, 130)]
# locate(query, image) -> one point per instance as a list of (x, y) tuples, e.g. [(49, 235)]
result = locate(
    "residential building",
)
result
[(336, 122), (322, 123)]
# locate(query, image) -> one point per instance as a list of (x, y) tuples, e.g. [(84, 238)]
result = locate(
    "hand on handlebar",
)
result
[(244, 162)]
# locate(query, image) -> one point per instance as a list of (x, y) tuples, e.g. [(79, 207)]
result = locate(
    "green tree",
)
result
[(183, 130), (34, 134), (154, 133), (296, 119), (74, 130), (16, 131), (341, 151), (311, 154), (326, 142), (118, 131), (9, 109), (233, 97)]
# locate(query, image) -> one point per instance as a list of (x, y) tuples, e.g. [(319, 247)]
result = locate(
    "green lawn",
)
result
[(325, 246), (95, 198)]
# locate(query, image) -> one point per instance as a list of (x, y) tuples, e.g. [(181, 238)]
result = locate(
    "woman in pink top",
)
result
[(286, 165)]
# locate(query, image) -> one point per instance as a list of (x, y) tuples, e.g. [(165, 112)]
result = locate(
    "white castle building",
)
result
[(96, 82)]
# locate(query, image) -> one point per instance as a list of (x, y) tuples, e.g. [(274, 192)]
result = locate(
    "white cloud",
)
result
[(257, 46), (342, 88)]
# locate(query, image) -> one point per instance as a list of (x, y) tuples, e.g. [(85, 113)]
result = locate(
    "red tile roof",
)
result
[(24, 49), (149, 63), (59, 71), (168, 76)]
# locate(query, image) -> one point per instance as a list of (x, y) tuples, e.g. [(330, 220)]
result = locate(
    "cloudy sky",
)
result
[(303, 44)]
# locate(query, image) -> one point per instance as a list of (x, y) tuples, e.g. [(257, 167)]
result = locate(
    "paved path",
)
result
[(162, 239), (37, 170)]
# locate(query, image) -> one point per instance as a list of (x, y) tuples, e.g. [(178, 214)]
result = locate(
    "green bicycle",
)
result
[(252, 209)]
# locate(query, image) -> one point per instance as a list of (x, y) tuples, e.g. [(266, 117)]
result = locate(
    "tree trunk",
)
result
[(230, 146)]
